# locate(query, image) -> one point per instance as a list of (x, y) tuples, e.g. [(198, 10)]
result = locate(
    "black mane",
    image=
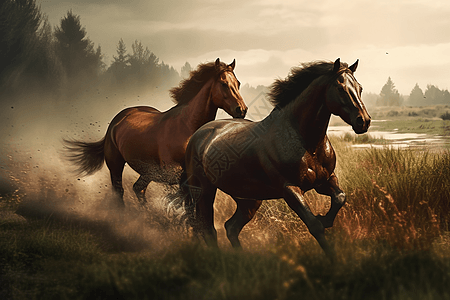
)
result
[(284, 91)]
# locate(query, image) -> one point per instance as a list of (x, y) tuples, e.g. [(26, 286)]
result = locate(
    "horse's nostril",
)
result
[(238, 111), (359, 121)]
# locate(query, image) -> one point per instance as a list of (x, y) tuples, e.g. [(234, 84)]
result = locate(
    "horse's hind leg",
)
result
[(115, 163), (337, 200), (116, 180), (245, 211), (140, 186)]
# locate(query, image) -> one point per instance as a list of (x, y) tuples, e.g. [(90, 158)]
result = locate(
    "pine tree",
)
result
[(186, 70), (416, 96), (143, 63), (19, 24), (120, 65), (389, 96), (75, 50), (122, 56), (434, 95)]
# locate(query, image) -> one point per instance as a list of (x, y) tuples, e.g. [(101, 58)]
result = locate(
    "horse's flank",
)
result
[(154, 143)]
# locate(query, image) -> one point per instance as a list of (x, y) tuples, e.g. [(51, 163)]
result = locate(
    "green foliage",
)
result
[(432, 96), (362, 139), (75, 50), (389, 96), (141, 68), (64, 60), (42, 260), (119, 67), (416, 96), (186, 70), (436, 96), (396, 195), (445, 116), (19, 25), (390, 240)]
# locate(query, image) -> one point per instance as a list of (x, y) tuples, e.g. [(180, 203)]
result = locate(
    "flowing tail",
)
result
[(88, 157)]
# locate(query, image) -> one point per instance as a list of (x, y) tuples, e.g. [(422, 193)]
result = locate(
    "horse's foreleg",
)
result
[(293, 196), (245, 211), (204, 224), (337, 200)]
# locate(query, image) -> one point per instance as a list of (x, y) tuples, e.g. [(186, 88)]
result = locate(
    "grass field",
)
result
[(412, 119), (391, 238), (420, 120)]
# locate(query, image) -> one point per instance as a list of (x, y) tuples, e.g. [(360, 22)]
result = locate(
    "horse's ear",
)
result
[(217, 64), (354, 66), (233, 64), (337, 65)]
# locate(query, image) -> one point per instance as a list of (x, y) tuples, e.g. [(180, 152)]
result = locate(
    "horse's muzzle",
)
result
[(361, 125), (240, 113)]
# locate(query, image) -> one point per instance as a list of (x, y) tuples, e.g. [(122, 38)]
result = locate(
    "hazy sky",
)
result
[(408, 40)]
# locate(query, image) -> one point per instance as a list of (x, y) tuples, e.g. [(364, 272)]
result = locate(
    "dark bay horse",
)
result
[(153, 143), (282, 156)]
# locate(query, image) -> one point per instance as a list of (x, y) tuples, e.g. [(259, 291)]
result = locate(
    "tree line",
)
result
[(389, 96), (140, 67), (33, 54)]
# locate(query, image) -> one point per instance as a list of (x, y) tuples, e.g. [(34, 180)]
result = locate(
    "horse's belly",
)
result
[(168, 173), (246, 186), (256, 193)]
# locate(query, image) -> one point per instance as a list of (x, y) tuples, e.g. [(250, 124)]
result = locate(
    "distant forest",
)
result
[(389, 96), (64, 60)]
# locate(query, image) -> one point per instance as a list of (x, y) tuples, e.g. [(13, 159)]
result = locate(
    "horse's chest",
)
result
[(313, 171)]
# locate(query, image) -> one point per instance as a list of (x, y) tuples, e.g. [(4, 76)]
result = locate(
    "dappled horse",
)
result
[(282, 156), (153, 143)]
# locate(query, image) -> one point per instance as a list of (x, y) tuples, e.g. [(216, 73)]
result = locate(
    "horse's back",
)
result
[(213, 131), (225, 123), (130, 131), (231, 154)]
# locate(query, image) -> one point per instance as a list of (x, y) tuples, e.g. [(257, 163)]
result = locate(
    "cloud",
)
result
[(267, 37)]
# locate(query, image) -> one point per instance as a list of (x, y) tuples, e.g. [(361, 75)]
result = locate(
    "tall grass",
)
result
[(390, 239), (393, 195), (400, 196), (363, 139)]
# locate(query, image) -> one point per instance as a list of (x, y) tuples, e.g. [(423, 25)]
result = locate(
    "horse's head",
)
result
[(344, 97), (225, 91)]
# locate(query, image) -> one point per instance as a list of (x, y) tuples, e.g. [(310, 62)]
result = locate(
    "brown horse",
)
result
[(153, 143), (282, 156)]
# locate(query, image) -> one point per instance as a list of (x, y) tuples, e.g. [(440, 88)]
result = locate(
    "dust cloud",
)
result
[(36, 177)]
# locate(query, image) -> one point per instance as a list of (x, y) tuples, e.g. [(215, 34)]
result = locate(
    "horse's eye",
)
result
[(224, 84)]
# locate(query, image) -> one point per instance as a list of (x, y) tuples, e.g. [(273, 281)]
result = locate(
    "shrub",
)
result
[(445, 116)]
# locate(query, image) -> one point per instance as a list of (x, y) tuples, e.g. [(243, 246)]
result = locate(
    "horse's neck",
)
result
[(200, 109), (310, 116)]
